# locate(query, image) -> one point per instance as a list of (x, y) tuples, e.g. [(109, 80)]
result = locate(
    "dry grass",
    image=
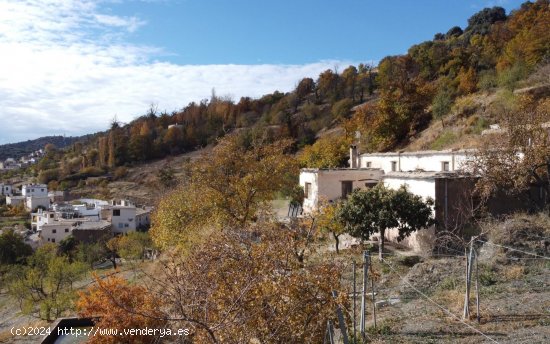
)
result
[(513, 272), (452, 299)]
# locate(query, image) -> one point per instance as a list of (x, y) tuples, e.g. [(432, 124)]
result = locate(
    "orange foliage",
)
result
[(121, 306)]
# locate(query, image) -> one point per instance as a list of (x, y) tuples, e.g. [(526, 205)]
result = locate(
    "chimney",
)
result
[(353, 157)]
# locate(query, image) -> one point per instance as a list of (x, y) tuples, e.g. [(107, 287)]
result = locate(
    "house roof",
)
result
[(426, 152), (93, 225), (141, 211), (339, 169), (424, 175)]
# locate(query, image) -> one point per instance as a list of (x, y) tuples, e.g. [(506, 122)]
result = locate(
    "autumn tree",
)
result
[(111, 160), (404, 98), (342, 108), (246, 284), (366, 80), (229, 185), (133, 245), (45, 287), (378, 209), (518, 157), (326, 152), (240, 180), (528, 44), (326, 218), (349, 79), (328, 84), (305, 87), (121, 306), (92, 253), (103, 152), (173, 139), (467, 81)]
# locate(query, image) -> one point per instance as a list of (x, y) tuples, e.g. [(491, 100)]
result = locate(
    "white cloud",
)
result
[(65, 69), (131, 24)]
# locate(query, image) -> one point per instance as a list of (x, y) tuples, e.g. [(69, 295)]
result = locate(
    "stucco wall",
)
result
[(411, 161), (47, 232), (327, 184), (424, 239), (38, 190), (6, 189), (311, 201), (126, 222), (14, 200), (34, 202)]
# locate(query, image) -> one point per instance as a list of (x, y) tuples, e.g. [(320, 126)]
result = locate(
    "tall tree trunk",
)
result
[(337, 242), (381, 245), (113, 260)]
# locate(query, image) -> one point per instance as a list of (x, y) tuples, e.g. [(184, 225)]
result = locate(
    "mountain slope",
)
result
[(19, 149)]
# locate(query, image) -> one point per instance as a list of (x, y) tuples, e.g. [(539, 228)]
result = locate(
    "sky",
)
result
[(69, 67)]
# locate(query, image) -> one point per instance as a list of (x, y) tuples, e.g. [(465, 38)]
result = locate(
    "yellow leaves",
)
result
[(228, 186), (326, 152), (182, 218), (326, 218)]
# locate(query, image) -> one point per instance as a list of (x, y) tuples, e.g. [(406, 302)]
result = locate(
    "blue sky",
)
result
[(75, 64), (293, 32)]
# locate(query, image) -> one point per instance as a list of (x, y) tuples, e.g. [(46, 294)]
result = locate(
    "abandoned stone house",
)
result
[(439, 175)]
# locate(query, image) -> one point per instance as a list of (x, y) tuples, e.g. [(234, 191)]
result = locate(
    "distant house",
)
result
[(9, 164), (125, 217), (177, 126), (38, 190), (92, 231), (143, 217), (57, 196), (15, 200), (36, 196), (6, 189), (82, 230), (89, 220)]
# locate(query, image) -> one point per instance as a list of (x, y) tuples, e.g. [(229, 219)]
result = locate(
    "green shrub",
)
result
[(444, 140), (487, 80), (409, 261), (487, 277), (342, 108), (449, 283), (45, 176), (510, 78), (477, 124), (465, 106)]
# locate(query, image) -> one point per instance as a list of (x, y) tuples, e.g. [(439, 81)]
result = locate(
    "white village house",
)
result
[(394, 169), (6, 189), (33, 196), (425, 173), (439, 175)]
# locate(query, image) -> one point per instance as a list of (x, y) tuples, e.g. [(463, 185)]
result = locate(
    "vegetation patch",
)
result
[(444, 140)]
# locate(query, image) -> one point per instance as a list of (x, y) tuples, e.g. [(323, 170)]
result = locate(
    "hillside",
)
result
[(19, 149)]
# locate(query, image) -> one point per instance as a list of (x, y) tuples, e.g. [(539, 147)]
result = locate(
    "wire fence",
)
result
[(445, 310)]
